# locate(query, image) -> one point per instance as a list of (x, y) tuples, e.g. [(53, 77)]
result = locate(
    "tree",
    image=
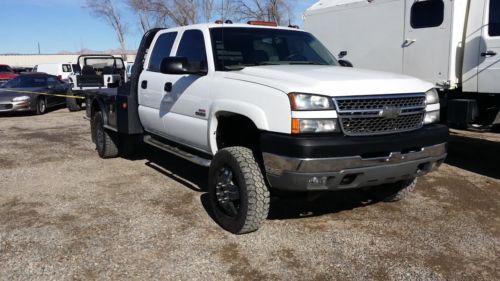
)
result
[(107, 10), (164, 13), (278, 11)]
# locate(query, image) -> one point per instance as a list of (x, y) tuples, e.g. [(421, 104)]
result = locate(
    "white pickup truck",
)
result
[(269, 108)]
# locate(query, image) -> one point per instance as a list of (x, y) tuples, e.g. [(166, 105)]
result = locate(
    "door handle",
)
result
[(408, 42), (168, 87), (488, 54), (144, 84)]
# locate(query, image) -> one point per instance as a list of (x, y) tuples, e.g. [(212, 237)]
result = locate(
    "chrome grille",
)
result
[(376, 115)]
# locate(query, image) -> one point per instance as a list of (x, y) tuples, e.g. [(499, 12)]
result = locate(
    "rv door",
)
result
[(426, 45), (489, 60)]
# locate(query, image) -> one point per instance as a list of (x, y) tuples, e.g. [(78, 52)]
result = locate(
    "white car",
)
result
[(61, 70), (269, 108)]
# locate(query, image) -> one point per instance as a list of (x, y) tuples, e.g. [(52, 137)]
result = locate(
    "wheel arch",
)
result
[(230, 109)]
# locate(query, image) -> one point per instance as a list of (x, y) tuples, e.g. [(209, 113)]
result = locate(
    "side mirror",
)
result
[(345, 63), (179, 65)]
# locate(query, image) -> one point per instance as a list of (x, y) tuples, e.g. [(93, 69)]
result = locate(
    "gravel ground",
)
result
[(65, 214)]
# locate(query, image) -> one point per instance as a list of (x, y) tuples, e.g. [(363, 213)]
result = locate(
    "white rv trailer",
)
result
[(452, 43)]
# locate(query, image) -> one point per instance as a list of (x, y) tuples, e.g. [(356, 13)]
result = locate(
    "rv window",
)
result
[(494, 25), (426, 14), (161, 50)]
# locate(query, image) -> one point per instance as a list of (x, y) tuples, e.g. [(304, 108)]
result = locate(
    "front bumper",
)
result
[(16, 106), (353, 162)]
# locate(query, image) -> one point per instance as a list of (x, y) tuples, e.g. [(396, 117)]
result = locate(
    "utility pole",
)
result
[(38, 47)]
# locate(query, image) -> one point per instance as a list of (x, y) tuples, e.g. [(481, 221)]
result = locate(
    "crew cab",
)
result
[(269, 108), (6, 73)]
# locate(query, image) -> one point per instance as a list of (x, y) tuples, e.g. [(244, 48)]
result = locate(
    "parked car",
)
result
[(6, 73), (61, 70), (27, 99)]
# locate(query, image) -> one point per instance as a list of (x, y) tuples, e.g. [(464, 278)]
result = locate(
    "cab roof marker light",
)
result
[(262, 23)]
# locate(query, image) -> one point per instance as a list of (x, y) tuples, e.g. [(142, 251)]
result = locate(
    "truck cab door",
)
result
[(426, 43), (151, 83), (489, 50), (185, 104)]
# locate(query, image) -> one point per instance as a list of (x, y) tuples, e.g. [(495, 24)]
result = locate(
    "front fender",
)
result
[(251, 111)]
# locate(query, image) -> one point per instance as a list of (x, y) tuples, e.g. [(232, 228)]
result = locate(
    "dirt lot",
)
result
[(66, 214)]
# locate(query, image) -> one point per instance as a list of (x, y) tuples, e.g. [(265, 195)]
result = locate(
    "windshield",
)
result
[(237, 48), (101, 62), (5, 69), (27, 82)]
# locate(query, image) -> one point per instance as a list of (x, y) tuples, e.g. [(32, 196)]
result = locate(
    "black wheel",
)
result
[(237, 190), (398, 191), (73, 104), (106, 143), (41, 105)]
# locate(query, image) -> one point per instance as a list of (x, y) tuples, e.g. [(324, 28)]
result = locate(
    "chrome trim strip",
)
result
[(276, 164)]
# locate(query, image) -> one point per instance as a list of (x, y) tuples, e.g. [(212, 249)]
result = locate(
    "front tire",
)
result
[(73, 104), (237, 190), (399, 191), (41, 106), (106, 143)]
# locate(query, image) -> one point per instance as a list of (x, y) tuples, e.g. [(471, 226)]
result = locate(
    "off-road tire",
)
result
[(106, 142), (398, 191), (73, 104), (41, 108), (254, 194)]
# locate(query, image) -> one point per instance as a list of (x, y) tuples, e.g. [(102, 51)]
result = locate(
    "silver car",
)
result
[(35, 92)]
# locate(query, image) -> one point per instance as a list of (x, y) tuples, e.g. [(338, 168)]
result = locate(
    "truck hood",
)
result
[(329, 80)]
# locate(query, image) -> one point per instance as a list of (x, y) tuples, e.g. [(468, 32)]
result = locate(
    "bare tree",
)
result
[(278, 11), (108, 11), (164, 13)]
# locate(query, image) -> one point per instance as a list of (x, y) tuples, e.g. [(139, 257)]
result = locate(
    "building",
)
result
[(22, 60)]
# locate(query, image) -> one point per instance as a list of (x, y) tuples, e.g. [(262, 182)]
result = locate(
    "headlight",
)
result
[(301, 126), (21, 98), (300, 101), (432, 96), (432, 117)]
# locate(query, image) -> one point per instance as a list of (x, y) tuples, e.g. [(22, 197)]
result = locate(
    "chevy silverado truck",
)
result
[(269, 108)]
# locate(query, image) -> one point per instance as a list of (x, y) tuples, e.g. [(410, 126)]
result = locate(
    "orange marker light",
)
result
[(295, 126), (263, 23)]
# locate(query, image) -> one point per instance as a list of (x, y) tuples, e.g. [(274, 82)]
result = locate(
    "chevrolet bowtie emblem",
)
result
[(390, 112)]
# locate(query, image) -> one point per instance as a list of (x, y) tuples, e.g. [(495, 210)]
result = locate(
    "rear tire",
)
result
[(106, 143), (41, 106), (237, 190), (398, 191), (73, 104)]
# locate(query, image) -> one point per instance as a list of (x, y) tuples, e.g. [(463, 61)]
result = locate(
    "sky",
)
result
[(63, 25)]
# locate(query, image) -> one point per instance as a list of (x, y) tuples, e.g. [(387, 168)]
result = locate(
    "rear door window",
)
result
[(494, 23), (425, 14), (161, 50)]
